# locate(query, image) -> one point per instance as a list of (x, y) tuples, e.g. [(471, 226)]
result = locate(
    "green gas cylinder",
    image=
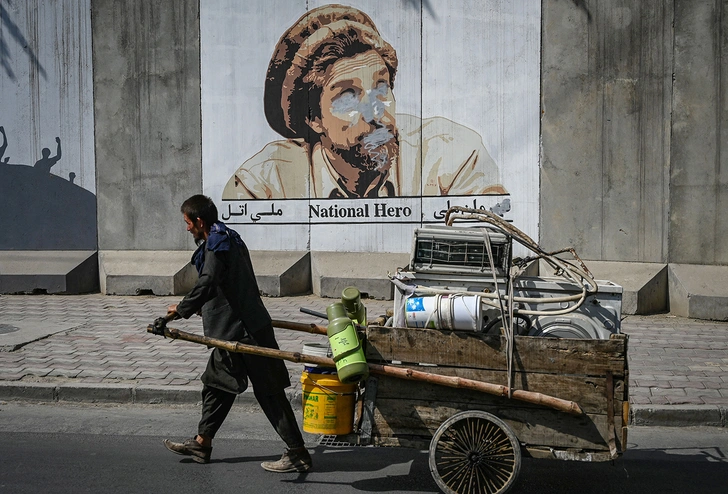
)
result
[(351, 366), (351, 298)]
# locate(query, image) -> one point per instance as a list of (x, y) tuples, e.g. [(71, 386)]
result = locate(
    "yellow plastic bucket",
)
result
[(328, 404)]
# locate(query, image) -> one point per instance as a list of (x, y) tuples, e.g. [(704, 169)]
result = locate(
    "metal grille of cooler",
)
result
[(459, 251)]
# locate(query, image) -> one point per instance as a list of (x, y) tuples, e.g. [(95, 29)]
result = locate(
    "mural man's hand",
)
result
[(58, 140)]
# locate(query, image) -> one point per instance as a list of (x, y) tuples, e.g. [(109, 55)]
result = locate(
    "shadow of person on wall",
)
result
[(54, 213), (4, 145), (46, 162)]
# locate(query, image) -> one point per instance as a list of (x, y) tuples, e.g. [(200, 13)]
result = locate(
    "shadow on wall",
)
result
[(49, 212), (8, 26)]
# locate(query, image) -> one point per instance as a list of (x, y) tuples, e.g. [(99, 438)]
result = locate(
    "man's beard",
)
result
[(375, 152)]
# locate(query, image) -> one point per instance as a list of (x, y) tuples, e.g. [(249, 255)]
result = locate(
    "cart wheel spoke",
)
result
[(474, 452)]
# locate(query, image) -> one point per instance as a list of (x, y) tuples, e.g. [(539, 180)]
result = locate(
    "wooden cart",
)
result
[(476, 440)]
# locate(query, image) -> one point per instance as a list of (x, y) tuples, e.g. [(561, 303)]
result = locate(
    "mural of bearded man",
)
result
[(329, 92)]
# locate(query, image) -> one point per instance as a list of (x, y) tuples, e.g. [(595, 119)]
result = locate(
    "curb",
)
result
[(639, 415), (678, 415), (122, 394)]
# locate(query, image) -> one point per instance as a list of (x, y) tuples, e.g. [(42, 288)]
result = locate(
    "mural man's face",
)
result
[(357, 112)]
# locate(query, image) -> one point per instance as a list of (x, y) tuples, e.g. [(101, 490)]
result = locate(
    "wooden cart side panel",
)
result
[(397, 418), (588, 392), (574, 370), (474, 350)]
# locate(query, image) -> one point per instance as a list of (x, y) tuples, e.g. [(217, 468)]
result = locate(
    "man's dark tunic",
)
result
[(227, 295)]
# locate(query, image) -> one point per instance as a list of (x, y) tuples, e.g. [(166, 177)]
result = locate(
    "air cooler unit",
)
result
[(460, 251)]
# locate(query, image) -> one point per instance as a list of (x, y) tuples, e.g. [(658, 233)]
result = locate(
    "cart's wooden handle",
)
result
[(298, 326), (454, 382), (235, 346)]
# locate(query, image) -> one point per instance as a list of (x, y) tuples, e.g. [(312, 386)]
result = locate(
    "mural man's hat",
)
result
[(285, 97)]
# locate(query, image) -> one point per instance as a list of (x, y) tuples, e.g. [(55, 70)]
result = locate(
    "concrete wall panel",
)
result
[(571, 196), (605, 128), (147, 108), (699, 173)]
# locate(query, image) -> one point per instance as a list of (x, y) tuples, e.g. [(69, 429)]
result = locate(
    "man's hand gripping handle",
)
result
[(160, 323)]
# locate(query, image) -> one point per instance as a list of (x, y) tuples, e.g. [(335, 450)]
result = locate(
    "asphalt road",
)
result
[(62, 448)]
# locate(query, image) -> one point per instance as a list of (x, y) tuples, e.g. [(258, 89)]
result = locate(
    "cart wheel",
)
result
[(474, 452)]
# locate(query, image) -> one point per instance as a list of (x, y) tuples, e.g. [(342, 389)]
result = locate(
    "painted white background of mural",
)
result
[(46, 85), (473, 62), (481, 68)]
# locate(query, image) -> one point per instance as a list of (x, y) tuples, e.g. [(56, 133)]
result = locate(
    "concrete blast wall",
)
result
[(606, 77), (147, 110), (699, 160), (634, 130), (634, 134)]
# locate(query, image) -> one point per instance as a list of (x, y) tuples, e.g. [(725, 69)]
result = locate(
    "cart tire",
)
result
[(474, 451)]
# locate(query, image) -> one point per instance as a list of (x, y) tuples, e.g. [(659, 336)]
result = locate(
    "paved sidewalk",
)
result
[(95, 348)]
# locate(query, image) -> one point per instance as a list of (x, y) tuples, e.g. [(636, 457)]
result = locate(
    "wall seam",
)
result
[(718, 127), (93, 116), (601, 42), (199, 67), (310, 228), (641, 152), (540, 123), (668, 186)]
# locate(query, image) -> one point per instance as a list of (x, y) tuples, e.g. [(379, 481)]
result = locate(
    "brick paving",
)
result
[(673, 361), (677, 361), (108, 341)]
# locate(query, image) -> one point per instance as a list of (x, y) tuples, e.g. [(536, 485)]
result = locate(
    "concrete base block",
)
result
[(282, 273), (644, 285), (134, 272), (331, 272), (699, 291), (51, 271)]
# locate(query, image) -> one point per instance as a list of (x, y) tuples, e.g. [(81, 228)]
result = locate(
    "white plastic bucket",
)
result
[(421, 312), (461, 312), (451, 312)]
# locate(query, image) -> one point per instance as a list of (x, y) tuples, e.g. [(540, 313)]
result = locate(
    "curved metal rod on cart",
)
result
[(570, 270), (454, 382)]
